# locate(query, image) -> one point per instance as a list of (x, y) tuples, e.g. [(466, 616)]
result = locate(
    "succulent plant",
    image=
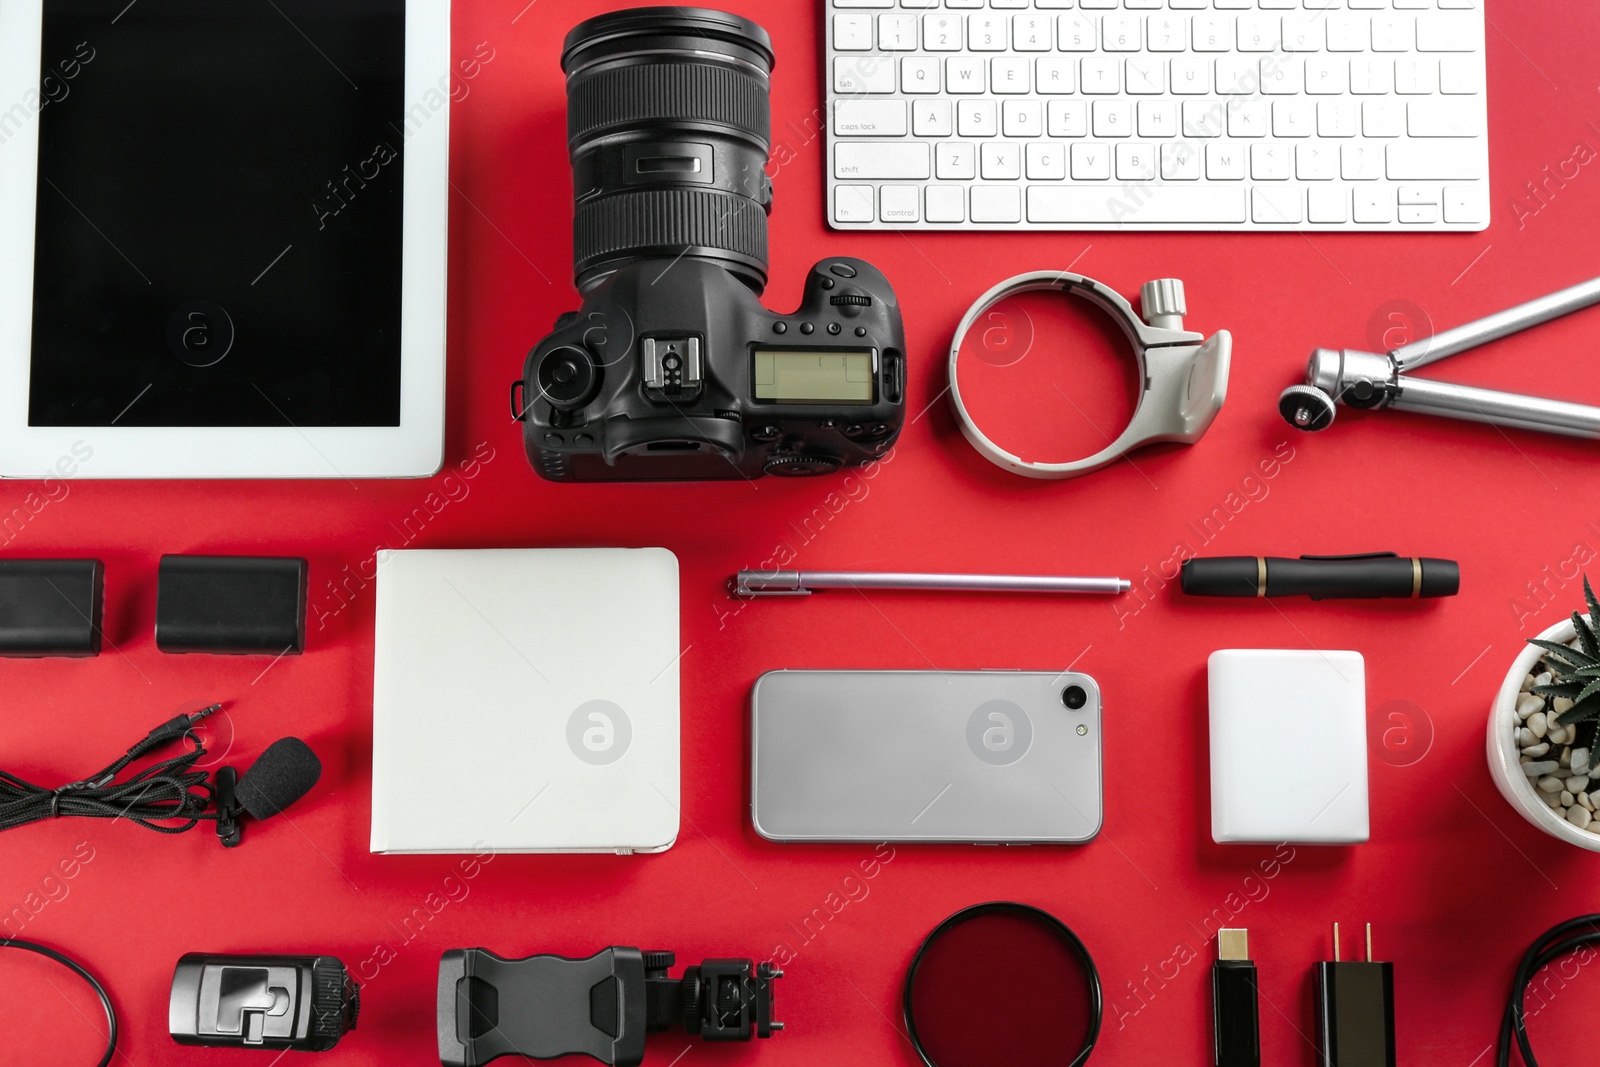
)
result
[(1575, 672)]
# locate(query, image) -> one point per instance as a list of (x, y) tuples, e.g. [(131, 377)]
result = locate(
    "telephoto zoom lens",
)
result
[(668, 127)]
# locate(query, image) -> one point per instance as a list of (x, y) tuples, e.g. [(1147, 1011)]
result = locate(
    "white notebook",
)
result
[(525, 700)]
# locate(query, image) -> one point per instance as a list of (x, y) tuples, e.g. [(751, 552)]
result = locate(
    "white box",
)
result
[(1288, 746), (525, 700)]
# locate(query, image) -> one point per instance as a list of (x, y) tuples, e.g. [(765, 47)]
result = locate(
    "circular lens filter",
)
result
[(1002, 983)]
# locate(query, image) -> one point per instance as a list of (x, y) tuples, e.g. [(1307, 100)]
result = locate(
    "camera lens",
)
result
[(1074, 697), (668, 127)]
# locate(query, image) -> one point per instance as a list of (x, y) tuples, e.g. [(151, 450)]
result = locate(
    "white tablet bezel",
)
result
[(415, 448)]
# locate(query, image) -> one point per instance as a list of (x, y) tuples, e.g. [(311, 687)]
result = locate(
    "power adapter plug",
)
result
[(1355, 1010)]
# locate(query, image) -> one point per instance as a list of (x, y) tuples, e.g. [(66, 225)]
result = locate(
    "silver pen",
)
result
[(801, 583)]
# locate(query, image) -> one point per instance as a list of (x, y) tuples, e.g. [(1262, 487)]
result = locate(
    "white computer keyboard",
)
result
[(1156, 114)]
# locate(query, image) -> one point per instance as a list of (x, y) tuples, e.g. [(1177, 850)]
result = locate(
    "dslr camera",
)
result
[(672, 369)]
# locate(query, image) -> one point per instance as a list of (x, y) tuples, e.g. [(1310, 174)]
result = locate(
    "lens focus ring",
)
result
[(649, 95), (666, 221)]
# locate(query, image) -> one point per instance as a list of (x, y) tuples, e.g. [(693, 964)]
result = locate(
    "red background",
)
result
[(1454, 882)]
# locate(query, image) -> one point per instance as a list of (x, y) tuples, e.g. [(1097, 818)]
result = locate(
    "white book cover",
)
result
[(525, 700)]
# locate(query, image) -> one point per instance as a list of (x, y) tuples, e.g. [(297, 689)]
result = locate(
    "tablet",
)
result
[(225, 236)]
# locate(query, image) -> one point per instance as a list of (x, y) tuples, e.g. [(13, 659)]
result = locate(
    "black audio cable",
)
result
[(82, 972), (153, 798), (1551, 946)]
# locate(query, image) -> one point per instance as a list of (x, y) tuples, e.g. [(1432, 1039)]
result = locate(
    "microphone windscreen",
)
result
[(283, 774)]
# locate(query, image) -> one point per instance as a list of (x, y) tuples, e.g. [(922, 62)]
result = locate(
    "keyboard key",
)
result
[(1360, 162), (1112, 118), (1435, 159), (891, 159), (1054, 75), (852, 203), (1416, 77), (1121, 33), (1383, 118), (1459, 74), (863, 74), (1275, 205), (863, 3), (1373, 203), (987, 33), (1327, 75), (932, 118), (1205, 118), (1348, 33), (1247, 118), (1145, 76), (1022, 118), (1032, 33), (1191, 75), (1180, 161), (1224, 161), (1144, 204), (996, 203), (943, 32), (1212, 33), (1282, 77), (1394, 33), (1136, 162), (1371, 77), (1442, 32), (1466, 204), (1009, 75), (852, 33), (1270, 162), (1158, 118), (898, 203), (1090, 162), (1327, 204), (1316, 162), (919, 74), (1293, 118), (1100, 75), (897, 32), (1000, 161), (955, 161), (1076, 33), (1303, 33), (977, 118), (945, 203), (1046, 161), (1258, 33), (1337, 118), (1237, 76), (1419, 213), (1436, 117), (1067, 118), (963, 75), (1166, 33), (869, 118)]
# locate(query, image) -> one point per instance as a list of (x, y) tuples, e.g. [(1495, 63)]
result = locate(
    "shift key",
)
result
[(892, 159), (869, 118), (1435, 159)]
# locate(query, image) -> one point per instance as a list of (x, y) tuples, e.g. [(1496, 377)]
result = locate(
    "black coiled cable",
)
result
[(1551, 946), (153, 798)]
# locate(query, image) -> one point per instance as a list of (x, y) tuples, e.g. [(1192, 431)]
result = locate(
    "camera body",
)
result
[(672, 369)]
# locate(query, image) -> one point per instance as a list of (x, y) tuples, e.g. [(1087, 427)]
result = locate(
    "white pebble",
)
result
[(1578, 783), (1550, 784), (1551, 799), (1542, 679), (1566, 799), (1580, 760), (1536, 750), (1525, 736), (1560, 704), (1539, 767), (1583, 798), (1580, 817), (1538, 724), (1566, 757), (1528, 704)]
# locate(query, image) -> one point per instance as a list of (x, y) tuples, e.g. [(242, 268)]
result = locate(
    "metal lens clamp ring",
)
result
[(1184, 374)]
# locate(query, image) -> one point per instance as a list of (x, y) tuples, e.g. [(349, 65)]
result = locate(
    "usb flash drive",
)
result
[(1235, 1018)]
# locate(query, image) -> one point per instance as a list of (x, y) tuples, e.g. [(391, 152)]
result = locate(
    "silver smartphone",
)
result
[(976, 757)]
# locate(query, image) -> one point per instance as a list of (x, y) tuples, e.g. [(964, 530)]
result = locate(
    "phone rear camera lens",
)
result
[(1074, 697)]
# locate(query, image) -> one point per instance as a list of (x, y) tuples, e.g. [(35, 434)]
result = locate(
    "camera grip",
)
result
[(625, 435)]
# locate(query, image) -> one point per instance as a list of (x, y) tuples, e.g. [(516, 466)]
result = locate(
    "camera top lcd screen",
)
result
[(816, 377)]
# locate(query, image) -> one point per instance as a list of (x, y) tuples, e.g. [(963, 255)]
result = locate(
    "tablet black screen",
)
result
[(219, 213)]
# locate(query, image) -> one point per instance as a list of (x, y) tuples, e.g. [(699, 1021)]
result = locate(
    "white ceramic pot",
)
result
[(1505, 764)]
